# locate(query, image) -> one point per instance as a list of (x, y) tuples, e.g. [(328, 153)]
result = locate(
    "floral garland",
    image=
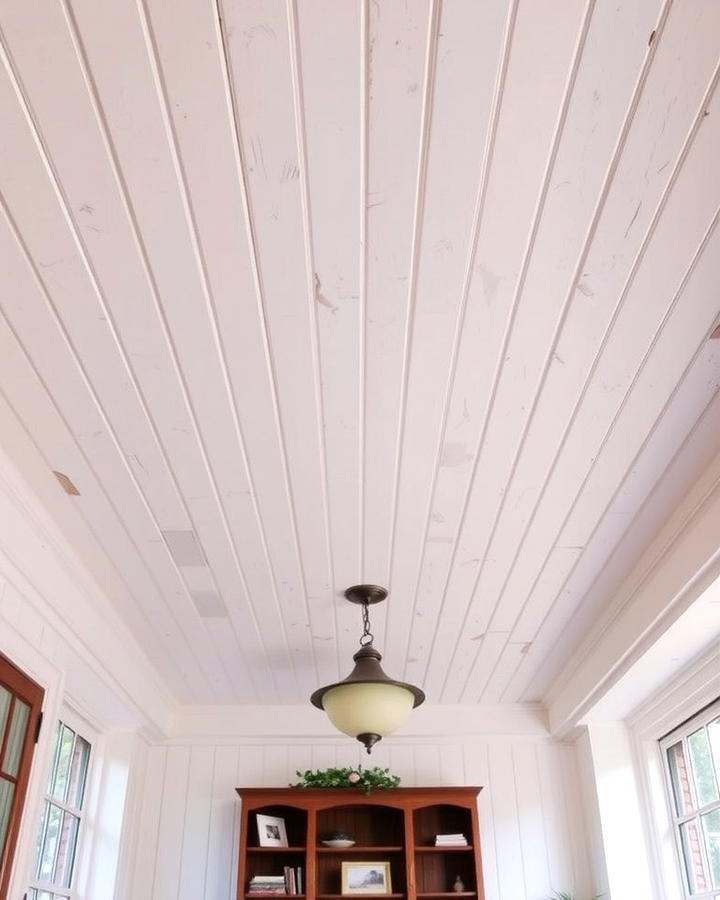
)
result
[(367, 780)]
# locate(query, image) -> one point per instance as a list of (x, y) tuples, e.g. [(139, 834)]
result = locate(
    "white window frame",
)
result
[(691, 690), (681, 733), (80, 726)]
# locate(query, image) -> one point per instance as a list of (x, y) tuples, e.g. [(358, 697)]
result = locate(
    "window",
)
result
[(20, 702), (62, 817), (691, 756)]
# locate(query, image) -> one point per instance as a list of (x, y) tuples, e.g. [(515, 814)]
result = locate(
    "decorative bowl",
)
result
[(338, 843)]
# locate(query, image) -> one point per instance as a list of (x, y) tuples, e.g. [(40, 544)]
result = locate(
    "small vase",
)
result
[(458, 885)]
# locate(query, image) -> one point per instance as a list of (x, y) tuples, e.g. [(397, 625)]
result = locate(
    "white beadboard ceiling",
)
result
[(301, 294)]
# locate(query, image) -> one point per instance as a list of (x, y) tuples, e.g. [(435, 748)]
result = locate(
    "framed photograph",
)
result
[(366, 878), (271, 831)]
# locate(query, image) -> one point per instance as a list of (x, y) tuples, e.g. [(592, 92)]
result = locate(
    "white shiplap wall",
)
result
[(532, 827)]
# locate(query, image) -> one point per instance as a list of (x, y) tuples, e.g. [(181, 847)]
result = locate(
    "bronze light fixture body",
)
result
[(367, 704)]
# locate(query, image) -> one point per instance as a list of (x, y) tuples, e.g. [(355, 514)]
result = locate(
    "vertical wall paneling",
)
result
[(222, 826), (136, 798), (530, 818), (171, 826), (508, 847), (427, 764), (324, 756), (250, 765), (477, 772), (452, 768), (560, 861), (198, 806), (575, 816), (401, 760), (187, 826), (148, 826), (276, 765)]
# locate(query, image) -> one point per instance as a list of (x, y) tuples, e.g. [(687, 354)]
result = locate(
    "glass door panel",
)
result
[(20, 702)]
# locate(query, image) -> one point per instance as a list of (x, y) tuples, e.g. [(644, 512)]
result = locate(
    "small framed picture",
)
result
[(366, 878), (271, 831)]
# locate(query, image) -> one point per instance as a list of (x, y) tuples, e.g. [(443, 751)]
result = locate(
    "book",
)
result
[(450, 840), (289, 875)]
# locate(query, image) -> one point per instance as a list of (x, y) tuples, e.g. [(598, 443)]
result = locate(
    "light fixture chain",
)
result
[(367, 637)]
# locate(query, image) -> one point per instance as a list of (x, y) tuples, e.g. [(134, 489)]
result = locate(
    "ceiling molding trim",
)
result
[(677, 567), (71, 601), (301, 722)]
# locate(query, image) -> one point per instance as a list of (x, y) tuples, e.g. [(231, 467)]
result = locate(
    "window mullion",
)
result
[(56, 759), (712, 758), (70, 767), (703, 852)]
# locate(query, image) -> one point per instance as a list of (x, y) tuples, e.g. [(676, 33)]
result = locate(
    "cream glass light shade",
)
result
[(366, 707)]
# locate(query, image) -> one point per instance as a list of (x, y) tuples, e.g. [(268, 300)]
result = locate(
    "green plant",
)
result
[(366, 780)]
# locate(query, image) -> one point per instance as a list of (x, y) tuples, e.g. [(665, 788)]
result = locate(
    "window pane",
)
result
[(7, 791), (60, 826), (714, 735), (46, 868), (40, 839), (680, 779), (56, 752), (16, 738), (4, 707), (66, 851), (78, 771), (693, 857), (705, 784), (711, 827), (62, 769)]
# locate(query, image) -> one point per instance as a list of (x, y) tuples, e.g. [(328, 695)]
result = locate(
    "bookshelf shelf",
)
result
[(464, 849)]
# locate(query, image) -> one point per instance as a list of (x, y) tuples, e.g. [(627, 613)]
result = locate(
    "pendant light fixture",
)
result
[(367, 705)]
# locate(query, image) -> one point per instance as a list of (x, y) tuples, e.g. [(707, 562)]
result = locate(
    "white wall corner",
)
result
[(121, 758), (630, 875), (593, 825)]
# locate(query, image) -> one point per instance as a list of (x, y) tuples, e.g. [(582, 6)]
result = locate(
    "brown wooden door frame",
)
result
[(23, 687)]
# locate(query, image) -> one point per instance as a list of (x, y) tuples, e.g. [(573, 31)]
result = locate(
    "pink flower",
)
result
[(353, 778)]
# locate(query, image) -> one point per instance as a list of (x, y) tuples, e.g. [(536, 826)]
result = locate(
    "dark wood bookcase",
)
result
[(397, 826)]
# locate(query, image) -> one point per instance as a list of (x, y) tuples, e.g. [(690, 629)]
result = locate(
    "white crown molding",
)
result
[(689, 691), (39, 561), (682, 561), (303, 723)]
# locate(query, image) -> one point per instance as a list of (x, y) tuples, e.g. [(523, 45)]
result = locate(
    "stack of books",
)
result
[(450, 840), (267, 884), (290, 882)]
